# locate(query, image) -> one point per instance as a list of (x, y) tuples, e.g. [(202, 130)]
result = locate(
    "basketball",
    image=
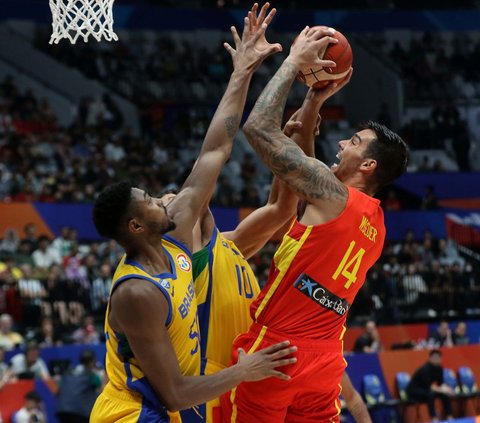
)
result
[(340, 53)]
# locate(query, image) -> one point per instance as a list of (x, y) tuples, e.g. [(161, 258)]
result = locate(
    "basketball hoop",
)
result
[(81, 18)]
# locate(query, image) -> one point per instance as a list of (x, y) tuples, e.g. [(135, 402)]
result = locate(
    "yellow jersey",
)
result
[(124, 372), (225, 286)]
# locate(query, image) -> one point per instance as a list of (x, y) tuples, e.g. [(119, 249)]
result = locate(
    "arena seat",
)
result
[(467, 381), (450, 379), (373, 390)]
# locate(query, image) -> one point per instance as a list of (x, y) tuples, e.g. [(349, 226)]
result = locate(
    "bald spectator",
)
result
[(369, 341), (8, 338)]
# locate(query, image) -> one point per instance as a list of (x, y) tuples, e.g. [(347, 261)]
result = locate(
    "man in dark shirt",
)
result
[(427, 384), (442, 337), (369, 341)]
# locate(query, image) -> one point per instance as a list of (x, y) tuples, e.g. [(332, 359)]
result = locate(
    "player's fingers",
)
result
[(250, 21), (263, 12), (318, 33), (270, 16), (282, 353), (246, 29), (279, 375), (304, 31), (236, 38), (229, 48), (272, 49), (284, 362), (275, 347), (261, 31), (326, 63), (241, 352)]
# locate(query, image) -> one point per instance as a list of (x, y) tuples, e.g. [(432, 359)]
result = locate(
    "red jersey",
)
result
[(318, 270)]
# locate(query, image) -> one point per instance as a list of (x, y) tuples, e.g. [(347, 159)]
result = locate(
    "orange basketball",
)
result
[(340, 53)]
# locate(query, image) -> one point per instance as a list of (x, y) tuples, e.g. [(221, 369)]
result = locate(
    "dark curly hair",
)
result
[(111, 207), (390, 152)]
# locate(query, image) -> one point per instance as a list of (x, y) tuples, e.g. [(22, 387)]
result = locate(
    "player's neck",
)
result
[(358, 182), (152, 258)]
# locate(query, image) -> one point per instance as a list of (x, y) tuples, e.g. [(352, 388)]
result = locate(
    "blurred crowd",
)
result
[(41, 161), (420, 280)]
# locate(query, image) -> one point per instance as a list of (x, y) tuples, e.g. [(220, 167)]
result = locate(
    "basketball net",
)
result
[(81, 18)]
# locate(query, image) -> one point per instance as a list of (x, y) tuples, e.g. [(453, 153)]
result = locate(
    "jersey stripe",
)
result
[(179, 244), (152, 281), (283, 270)]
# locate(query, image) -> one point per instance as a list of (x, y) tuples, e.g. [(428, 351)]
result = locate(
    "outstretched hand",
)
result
[(309, 47), (252, 49)]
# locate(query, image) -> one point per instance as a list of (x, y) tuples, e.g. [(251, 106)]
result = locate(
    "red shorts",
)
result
[(310, 396)]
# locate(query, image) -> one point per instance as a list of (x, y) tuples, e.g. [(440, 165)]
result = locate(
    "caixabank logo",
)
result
[(321, 295)]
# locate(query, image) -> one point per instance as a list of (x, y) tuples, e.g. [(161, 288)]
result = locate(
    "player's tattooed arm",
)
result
[(307, 176)]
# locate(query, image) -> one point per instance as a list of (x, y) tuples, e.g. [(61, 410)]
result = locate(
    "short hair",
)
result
[(390, 152), (435, 352), (87, 357), (33, 396), (110, 208)]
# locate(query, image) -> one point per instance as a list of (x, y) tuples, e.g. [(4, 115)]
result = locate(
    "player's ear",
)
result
[(368, 166), (135, 226)]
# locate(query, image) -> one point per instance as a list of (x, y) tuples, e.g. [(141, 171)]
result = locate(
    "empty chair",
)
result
[(467, 381), (450, 379)]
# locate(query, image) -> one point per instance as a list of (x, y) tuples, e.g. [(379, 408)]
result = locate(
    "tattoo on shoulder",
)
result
[(231, 125)]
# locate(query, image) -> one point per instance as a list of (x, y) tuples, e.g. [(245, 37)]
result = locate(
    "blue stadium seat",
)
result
[(450, 379), (403, 379), (467, 381), (373, 390)]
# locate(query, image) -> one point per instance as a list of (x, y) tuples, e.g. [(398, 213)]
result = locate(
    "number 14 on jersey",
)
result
[(349, 262)]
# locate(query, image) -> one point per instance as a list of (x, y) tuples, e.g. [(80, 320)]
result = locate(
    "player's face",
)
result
[(351, 154), (152, 213)]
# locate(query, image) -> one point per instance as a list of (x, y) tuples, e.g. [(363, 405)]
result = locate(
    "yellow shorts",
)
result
[(113, 406)]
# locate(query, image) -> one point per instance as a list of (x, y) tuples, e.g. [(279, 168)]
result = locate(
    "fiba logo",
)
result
[(183, 262), (165, 284)]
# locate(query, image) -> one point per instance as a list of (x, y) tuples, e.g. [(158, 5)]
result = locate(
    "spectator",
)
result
[(392, 203), (62, 244), (429, 200), (23, 255), (442, 337), (10, 242), (100, 290), (369, 341), (413, 285), (32, 292), (8, 339), (78, 390), (44, 256), (87, 334), (6, 375), (460, 334), (29, 365), (48, 335), (31, 410), (31, 235), (427, 384)]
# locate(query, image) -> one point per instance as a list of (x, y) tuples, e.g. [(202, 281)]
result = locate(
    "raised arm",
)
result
[(152, 348), (259, 226), (308, 177), (249, 52)]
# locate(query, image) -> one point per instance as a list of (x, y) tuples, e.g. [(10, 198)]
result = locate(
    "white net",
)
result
[(73, 19)]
